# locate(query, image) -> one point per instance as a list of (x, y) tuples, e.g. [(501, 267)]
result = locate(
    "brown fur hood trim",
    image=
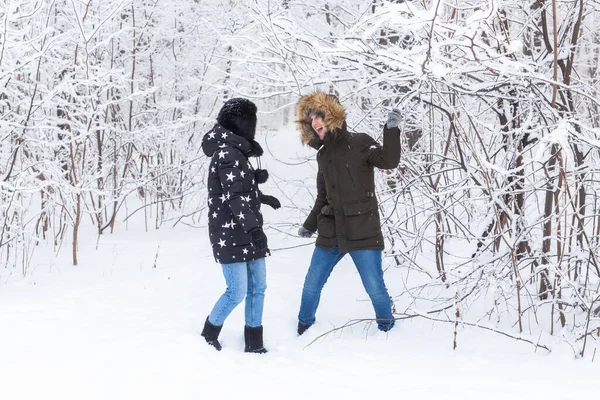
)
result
[(329, 105)]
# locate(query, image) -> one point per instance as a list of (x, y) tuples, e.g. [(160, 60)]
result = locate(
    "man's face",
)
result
[(318, 125)]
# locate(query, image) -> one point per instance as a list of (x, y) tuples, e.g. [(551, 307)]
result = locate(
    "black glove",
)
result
[(394, 118), (259, 239), (261, 175), (305, 233), (270, 201)]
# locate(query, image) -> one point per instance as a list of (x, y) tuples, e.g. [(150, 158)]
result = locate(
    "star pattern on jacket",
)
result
[(233, 197)]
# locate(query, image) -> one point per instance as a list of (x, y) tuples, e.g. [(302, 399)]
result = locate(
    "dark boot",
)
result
[(211, 334), (387, 327), (302, 328), (254, 339)]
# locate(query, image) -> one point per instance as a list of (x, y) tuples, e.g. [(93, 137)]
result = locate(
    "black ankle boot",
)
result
[(302, 328), (211, 334), (254, 339)]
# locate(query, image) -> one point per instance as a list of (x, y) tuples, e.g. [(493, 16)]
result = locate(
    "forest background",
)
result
[(494, 210)]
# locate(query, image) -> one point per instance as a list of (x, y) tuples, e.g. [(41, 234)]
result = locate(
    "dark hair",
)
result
[(316, 113)]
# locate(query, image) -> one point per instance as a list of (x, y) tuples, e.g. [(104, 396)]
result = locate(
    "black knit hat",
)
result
[(239, 116)]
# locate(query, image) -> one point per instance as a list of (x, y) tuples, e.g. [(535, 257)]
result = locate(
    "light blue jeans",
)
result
[(368, 264), (244, 280)]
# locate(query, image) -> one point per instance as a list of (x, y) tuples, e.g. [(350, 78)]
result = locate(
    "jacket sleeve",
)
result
[(232, 183), (386, 156), (320, 202)]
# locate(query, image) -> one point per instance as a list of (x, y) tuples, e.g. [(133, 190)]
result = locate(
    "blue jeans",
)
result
[(368, 264), (244, 280)]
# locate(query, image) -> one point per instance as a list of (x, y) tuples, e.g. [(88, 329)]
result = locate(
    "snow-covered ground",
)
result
[(126, 322)]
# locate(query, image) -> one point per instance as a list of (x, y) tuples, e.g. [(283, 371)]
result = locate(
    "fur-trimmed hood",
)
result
[(335, 115)]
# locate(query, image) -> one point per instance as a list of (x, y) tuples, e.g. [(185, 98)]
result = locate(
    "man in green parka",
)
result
[(345, 214)]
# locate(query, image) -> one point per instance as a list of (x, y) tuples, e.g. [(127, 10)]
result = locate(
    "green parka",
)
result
[(346, 211)]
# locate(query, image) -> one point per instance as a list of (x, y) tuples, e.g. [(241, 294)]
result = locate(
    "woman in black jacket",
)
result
[(235, 221)]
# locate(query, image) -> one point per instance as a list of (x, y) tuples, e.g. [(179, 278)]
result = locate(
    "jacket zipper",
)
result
[(351, 177)]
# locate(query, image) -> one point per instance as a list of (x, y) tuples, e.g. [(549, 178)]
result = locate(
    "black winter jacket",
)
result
[(346, 211), (233, 197)]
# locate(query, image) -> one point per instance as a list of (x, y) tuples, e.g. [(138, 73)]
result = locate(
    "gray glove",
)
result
[(394, 118), (305, 233)]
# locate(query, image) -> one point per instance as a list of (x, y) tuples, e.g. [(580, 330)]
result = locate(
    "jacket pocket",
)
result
[(327, 210), (326, 226), (361, 220)]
